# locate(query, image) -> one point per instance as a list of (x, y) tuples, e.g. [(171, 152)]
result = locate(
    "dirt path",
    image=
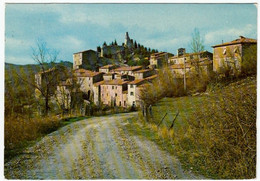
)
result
[(96, 148)]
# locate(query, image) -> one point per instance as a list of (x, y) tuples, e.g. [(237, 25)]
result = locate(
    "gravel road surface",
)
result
[(96, 148)]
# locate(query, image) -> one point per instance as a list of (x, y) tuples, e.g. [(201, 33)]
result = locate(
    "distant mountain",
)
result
[(33, 67)]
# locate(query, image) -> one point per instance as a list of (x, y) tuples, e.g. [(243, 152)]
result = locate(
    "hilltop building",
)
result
[(85, 59), (230, 55), (158, 60), (189, 57)]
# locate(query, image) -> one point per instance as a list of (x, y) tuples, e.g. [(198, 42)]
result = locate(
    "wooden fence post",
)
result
[(174, 120), (162, 120)]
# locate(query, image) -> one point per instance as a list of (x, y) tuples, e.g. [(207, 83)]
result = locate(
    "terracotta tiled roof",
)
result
[(143, 70), (99, 83), (137, 81), (159, 54), (151, 77), (109, 73), (241, 40), (115, 82), (86, 73), (85, 51), (132, 68), (107, 66), (46, 71)]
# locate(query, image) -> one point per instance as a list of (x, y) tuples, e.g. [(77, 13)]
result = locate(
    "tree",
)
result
[(135, 44), (115, 43), (197, 42), (46, 81), (196, 45)]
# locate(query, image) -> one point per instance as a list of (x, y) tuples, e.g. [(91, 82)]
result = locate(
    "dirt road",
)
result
[(96, 148)]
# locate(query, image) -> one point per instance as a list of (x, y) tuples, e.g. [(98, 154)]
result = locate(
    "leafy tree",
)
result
[(131, 63), (135, 44)]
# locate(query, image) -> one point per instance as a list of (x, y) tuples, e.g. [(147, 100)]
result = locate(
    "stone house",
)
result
[(113, 93), (63, 94), (107, 68), (109, 76), (97, 92), (52, 77), (141, 74), (86, 79), (189, 57), (134, 92), (229, 55), (128, 70), (85, 58), (124, 77), (158, 60), (178, 69)]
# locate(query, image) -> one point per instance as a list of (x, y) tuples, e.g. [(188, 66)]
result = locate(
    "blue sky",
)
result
[(70, 28)]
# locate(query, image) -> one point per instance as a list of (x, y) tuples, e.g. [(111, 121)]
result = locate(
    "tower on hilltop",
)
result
[(128, 42)]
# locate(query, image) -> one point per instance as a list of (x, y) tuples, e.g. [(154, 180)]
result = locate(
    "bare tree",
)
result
[(197, 42), (47, 79), (197, 46)]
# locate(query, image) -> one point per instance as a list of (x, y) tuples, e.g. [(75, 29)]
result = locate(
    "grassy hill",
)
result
[(215, 131)]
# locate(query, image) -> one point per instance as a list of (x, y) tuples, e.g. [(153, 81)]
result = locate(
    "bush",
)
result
[(19, 130), (221, 136)]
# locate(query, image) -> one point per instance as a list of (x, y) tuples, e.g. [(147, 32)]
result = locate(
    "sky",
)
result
[(70, 28)]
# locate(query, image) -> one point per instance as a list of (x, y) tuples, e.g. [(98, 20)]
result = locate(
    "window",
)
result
[(124, 103), (112, 87), (131, 86), (119, 103), (224, 51), (116, 94), (131, 93)]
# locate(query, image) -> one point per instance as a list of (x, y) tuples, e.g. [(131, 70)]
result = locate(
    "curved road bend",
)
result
[(95, 148)]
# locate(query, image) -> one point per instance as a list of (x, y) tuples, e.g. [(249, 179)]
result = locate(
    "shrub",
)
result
[(19, 130), (221, 136)]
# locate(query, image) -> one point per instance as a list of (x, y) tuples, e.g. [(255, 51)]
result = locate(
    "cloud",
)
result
[(15, 43), (228, 34)]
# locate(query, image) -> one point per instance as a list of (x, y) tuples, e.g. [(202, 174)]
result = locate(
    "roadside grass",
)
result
[(185, 106), (161, 135), (21, 133)]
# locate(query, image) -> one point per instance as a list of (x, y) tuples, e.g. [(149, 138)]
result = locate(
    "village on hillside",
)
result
[(118, 84)]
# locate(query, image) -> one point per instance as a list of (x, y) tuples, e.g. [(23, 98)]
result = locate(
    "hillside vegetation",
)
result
[(215, 132)]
